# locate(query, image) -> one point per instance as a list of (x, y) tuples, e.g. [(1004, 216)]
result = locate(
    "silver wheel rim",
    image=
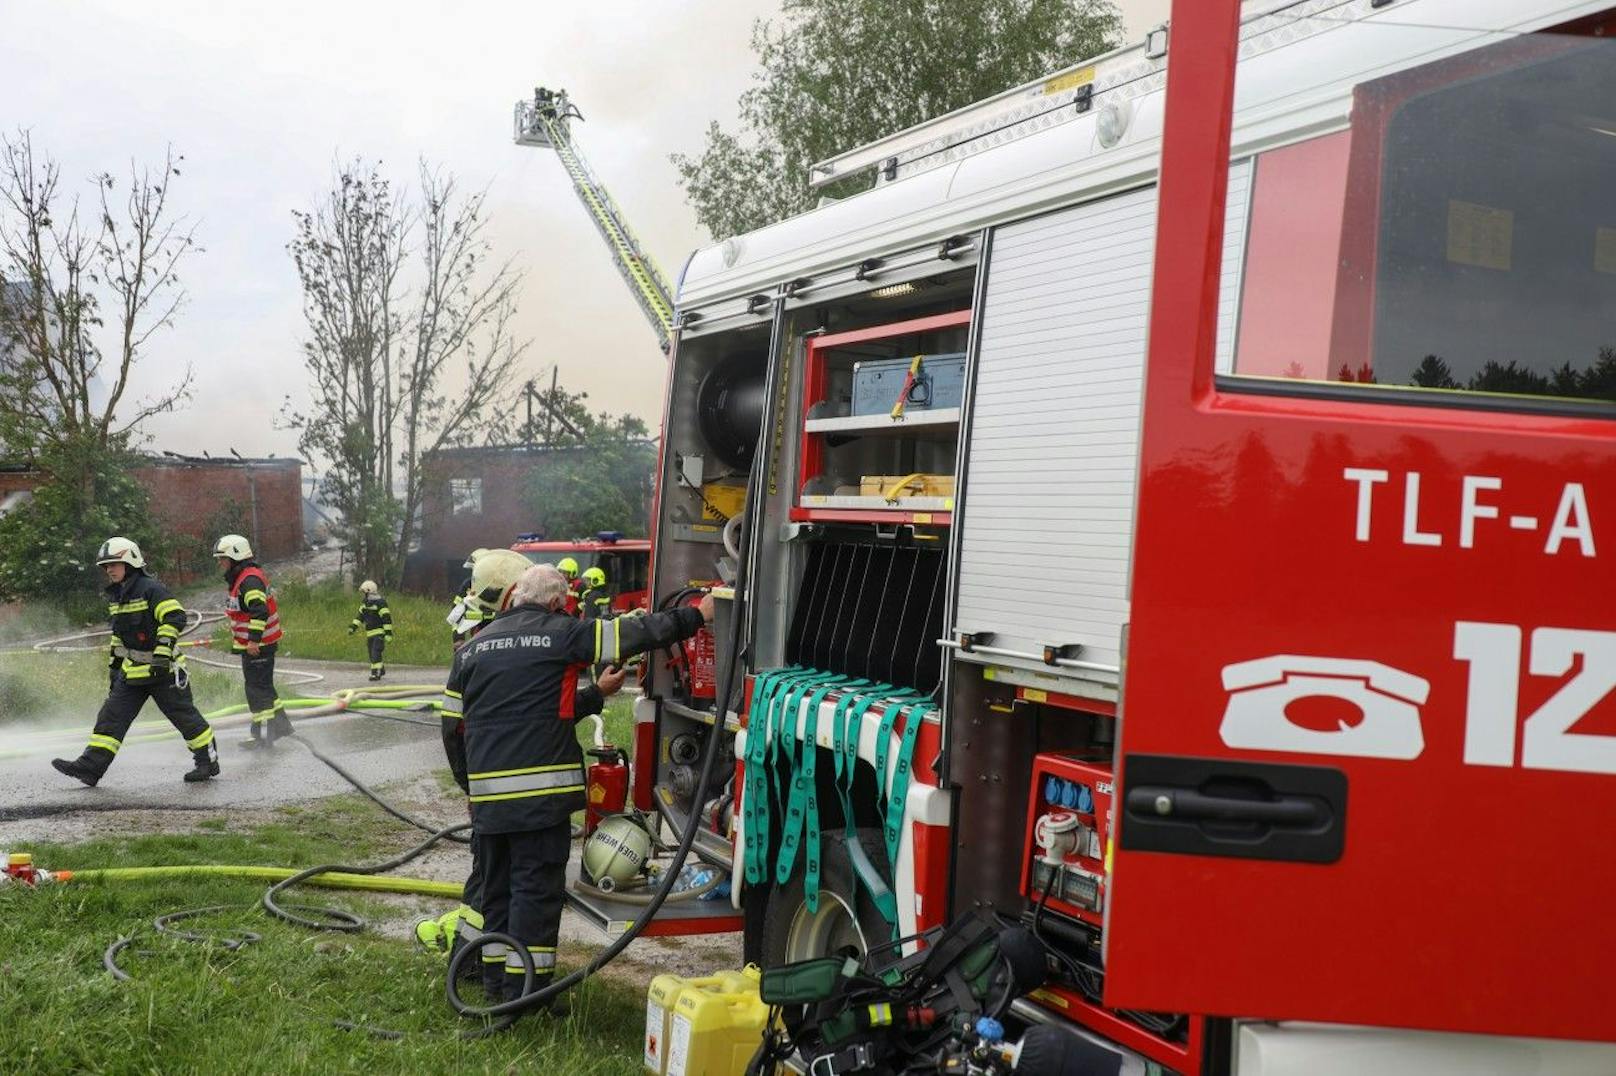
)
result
[(814, 934)]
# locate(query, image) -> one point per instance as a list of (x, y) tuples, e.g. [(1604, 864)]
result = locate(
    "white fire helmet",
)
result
[(233, 546), (120, 551)]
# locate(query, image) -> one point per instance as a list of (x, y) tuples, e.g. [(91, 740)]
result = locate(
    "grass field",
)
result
[(316, 618), (269, 1006)]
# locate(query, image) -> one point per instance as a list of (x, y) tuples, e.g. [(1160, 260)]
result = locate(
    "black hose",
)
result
[(398, 813), (335, 918)]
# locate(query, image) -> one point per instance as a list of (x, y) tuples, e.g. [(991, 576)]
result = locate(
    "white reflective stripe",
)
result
[(452, 704), (607, 646), (466, 931), (527, 782), (543, 959), (495, 952)]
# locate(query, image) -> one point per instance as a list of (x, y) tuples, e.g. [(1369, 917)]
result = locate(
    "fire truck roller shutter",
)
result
[(1046, 511)]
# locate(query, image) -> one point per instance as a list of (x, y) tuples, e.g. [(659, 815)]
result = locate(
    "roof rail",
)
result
[(1120, 75)]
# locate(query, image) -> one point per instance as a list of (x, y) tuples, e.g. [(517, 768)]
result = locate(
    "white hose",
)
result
[(732, 536)]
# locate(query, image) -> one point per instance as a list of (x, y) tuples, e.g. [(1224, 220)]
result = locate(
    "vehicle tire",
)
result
[(846, 916)]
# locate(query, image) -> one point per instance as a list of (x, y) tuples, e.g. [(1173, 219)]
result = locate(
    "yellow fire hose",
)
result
[(332, 880)]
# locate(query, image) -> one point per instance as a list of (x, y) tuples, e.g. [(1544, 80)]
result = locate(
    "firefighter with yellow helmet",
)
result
[(377, 620), (146, 626), (594, 600), (568, 567), (255, 634), (466, 613)]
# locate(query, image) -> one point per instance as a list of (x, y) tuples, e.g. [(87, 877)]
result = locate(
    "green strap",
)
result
[(810, 766), (802, 810), (764, 758), (847, 751), (757, 737), (765, 692), (899, 792)]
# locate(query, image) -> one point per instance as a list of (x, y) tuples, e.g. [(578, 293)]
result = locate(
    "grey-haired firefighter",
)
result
[(493, 573), (517, 683), (146, 626), (377, 620), (255, 633)]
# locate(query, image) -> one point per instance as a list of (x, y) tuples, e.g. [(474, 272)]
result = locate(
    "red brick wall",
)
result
[(198, 499), (446, 537)]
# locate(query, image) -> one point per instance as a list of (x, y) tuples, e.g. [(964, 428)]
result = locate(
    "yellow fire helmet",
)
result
[(493, 575)]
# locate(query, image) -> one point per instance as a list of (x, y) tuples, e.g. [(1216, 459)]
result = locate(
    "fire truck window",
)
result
[(1459, 238)]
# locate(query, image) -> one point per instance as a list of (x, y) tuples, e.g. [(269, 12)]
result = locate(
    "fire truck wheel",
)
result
[(847, 917)]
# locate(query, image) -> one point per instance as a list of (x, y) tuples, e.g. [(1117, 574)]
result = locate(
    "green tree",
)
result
[(598, 482), (48, 544), (1433, 373), (839, 73)]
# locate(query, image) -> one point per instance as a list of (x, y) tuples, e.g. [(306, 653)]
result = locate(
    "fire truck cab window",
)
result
[(1460, 237)]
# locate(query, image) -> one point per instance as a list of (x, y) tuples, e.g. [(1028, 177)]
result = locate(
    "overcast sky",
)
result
[(263, 103)]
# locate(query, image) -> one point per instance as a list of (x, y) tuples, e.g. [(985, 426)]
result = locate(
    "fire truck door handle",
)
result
[(1229, 807), (1190, 804)]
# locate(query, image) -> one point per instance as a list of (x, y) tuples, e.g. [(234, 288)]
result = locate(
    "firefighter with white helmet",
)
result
[(146, 626), (377, 620), (255, 634), (517, 684)]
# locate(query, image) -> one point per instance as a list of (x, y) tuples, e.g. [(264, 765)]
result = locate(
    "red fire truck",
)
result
[(626, 562), (1264, 670)]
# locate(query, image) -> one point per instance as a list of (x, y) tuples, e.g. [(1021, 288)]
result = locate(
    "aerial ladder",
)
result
[(546, 122)]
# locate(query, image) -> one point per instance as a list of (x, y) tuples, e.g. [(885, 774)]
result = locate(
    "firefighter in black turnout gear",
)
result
[(255, 633), (377, 620), (146, 626), (494, 573), (517, 683)]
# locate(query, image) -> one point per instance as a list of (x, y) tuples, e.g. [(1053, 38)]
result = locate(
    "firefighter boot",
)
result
[(207, 764), (256, 738), (279, 726), (82, 768), (429, 935)]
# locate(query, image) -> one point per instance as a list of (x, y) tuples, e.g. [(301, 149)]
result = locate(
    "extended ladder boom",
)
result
[(546, 122)]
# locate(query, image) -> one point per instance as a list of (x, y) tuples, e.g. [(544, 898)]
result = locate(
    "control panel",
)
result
[(1068, 836)]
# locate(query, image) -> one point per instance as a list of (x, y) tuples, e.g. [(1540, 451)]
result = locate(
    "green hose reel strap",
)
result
[(763, 760), (865, 871), (898, 795), (757, 741), (760, 754), (802, 808)]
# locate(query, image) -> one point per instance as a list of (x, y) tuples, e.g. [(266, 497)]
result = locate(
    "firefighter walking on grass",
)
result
[(517, 685), (255, 634), (377, 620), (146, 626)]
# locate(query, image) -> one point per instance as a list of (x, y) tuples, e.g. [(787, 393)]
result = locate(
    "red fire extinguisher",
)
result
[(608, 785)]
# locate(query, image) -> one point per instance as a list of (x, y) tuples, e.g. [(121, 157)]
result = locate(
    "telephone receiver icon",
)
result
[(1324, 706)]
